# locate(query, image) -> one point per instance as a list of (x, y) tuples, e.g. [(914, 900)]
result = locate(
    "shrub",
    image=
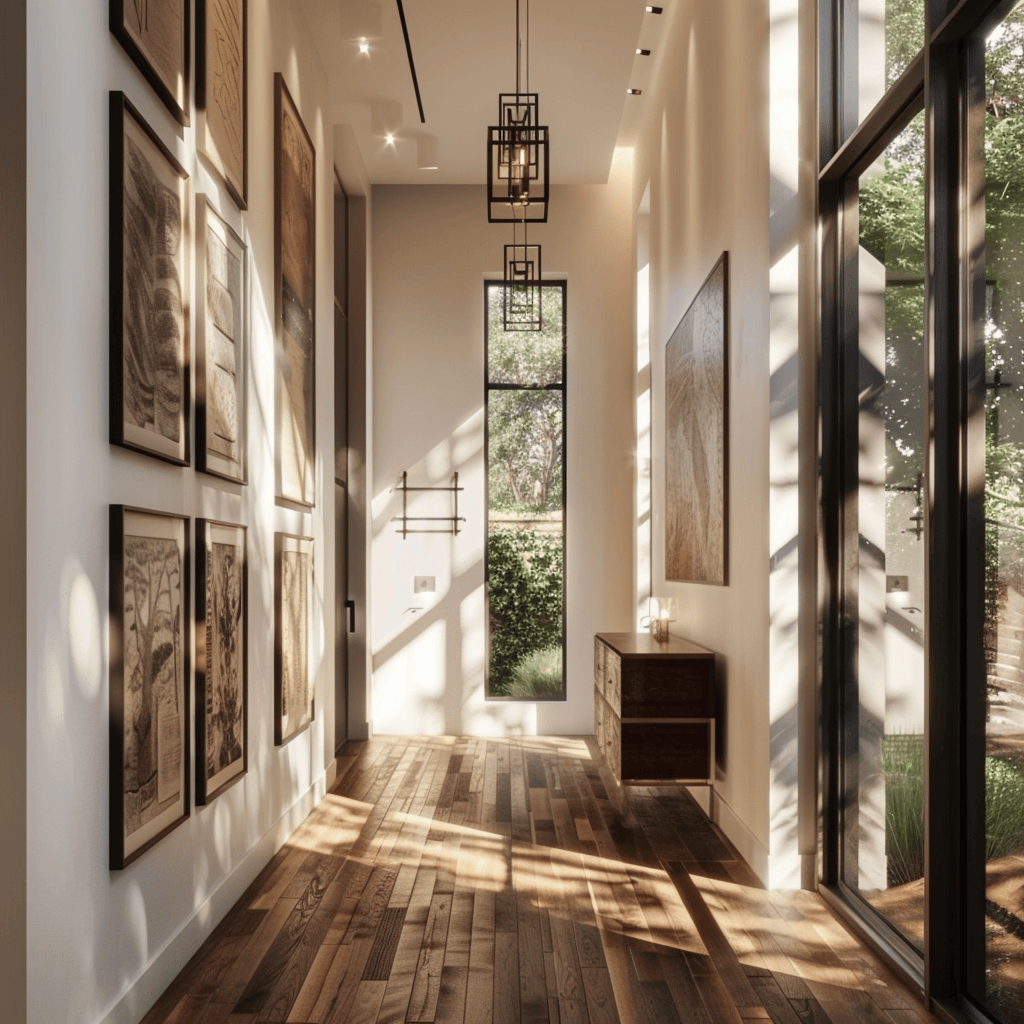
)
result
[(524, 575), (538, 675)]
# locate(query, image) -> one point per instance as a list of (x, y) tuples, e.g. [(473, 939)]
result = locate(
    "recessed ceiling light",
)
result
[(390, 138), (653, 10), (364, 46), (633, 92), (642, 53)]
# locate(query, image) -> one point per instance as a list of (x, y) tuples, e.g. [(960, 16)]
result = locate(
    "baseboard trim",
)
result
[(746, 843), (168, 962)]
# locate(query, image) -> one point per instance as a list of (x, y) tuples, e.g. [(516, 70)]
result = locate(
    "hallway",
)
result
[(469, 880)]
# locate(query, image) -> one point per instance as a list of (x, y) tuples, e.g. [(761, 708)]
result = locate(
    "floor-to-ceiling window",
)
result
[(525, 416), (922, 483)]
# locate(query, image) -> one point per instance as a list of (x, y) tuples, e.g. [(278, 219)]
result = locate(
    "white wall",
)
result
[(102, 944), (432, 251), (703, 151)]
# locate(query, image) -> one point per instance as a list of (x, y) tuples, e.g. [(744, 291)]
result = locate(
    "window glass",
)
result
[(889, 34)]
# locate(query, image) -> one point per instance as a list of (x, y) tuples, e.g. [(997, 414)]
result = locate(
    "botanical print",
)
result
[(153, 680), (224, 696), (294, 606), (157, 27), (153, 340), (225, 87), (297, 260), (695, 359), (222, 361)]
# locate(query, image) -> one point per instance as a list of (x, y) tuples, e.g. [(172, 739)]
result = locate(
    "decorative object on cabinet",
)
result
[(654, 708), (155, 34), (149, 350), (149, 666), (293, 617), (405, 519), (222, 345), (663, 611), (295, 274), (222, 91), (696, 423), (222, 695)]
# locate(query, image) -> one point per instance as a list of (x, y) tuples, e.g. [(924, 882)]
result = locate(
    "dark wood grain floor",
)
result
[(471, 881)]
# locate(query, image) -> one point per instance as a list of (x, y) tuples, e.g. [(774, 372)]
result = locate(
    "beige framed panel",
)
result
[(294, 705)]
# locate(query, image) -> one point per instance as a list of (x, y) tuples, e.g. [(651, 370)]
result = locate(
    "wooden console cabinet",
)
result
[(654, 707)]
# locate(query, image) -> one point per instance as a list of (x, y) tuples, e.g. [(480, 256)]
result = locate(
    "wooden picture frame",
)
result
[(696, 436), (222, 345), (222, 92), (149, 667), (156, 35), (294, 706), (149, 341), (295, 291), (222, 630)]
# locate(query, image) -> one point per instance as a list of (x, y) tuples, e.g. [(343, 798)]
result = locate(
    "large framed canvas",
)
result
[(222, 694), (222, 345), (149, 666), (696, 416), (293, 608), (222, 86), (149, 344), (155, 34), (295, 271)]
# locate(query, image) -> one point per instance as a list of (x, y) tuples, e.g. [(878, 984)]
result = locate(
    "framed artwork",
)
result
[(155, 34), (222, 694), (293, 610), (149, 735), (295, 272), (222, 344), (222, 92), (696, 414), (149, 344)]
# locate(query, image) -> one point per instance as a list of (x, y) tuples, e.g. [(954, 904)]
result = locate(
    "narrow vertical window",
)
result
[(525, 553)]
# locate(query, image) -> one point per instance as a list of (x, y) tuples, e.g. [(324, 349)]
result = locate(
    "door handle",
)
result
[(351, 606)]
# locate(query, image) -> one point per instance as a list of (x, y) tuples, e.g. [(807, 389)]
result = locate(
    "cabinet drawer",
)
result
[(667, 689), (676, 750), (599, 649), (612, 679)]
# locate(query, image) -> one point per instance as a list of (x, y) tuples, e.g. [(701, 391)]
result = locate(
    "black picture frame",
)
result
[(222, 639), (293, 627), (222, 345), (295, 297), (156, 35), (148, 676), (222, 92), (149, 317)]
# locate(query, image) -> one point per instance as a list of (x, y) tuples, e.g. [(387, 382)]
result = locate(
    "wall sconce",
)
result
[(663, 611)]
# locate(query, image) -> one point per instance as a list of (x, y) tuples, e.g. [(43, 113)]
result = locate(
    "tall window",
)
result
[(525, 408)]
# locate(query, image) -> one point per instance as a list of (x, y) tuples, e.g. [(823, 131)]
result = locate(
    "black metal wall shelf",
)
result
[(405, 519)]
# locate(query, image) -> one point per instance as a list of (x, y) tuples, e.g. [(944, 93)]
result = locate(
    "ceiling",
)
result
[(582, 60)]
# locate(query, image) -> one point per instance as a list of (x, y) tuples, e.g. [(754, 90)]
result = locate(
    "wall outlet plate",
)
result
[(423, 585), (897, 584)]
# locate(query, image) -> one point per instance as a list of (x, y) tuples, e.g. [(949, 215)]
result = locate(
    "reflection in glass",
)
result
[(883, 847), (1004, 519), (525, 478), (889, 35)]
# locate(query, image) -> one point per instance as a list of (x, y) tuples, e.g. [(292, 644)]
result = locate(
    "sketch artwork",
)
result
[(149, 356), (222, 91), (222, 326), (695, 437), (148, 696), (294, 599), (155, 33), (222, 680), (297, 261)]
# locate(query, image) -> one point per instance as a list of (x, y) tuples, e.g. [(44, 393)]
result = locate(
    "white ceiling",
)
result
[(582, 60)]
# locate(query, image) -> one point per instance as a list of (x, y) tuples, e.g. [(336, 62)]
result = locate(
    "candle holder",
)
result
[(663, 611)]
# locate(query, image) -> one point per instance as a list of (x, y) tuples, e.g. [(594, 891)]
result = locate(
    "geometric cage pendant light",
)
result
[(521, 286), (518, 173)]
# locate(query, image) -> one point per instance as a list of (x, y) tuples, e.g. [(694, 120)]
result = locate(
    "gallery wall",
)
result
[(103, 944), (702, 151), (432, 251)]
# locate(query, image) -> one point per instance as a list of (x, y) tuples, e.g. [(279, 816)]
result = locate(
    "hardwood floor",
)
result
[(471, 881)]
